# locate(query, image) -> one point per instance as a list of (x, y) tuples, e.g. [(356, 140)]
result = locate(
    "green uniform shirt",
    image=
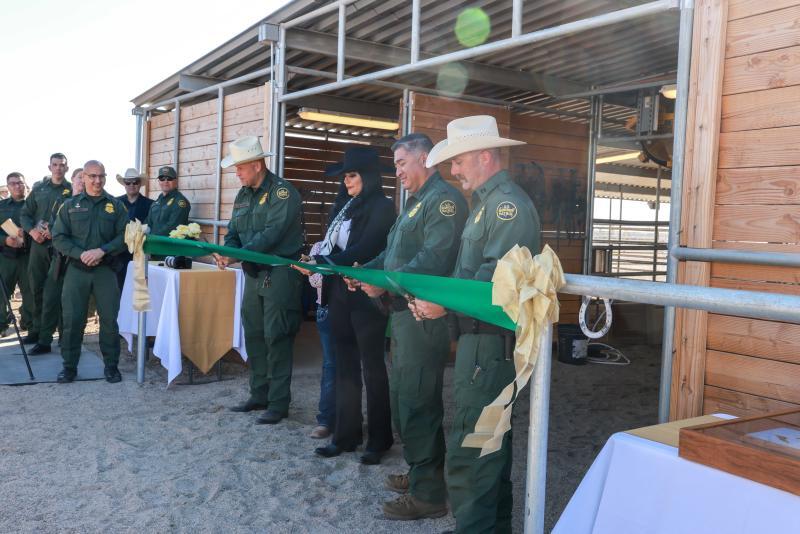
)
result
[(502, 216), (43, 203), (267, 219), (85, 222), (424, 239), (9, 209), (167, 212)]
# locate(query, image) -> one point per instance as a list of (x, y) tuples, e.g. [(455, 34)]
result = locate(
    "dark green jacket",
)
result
[(268, 219), (43, 202), (502, 216), (85, 222), (9, 209), (167, 212), (424, 239)]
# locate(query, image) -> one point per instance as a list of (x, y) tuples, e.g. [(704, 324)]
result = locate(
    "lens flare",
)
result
[(472, 27)]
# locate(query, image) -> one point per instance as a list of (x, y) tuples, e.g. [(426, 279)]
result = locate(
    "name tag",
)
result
[(78, 210)]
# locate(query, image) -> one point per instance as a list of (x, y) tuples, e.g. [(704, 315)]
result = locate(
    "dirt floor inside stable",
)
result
[(93, 456)]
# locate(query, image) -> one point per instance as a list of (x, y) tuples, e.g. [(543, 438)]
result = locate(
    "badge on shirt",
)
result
[(169, 202), (182, 203), (65, 193), (447, 208), (479, 215), (263, 199), (414, 210), (506, 211), (282, 193), (109, 207)]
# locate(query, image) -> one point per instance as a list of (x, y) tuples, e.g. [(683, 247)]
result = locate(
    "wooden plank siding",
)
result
[(551, 143), (702, 139), (749, 366)]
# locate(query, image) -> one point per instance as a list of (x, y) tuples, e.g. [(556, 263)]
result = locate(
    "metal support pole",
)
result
[(516, 18), (619, 231), (569, 28), (655, 228), (590, 171), (340, 41), (676, 199), (282, 141), (137, 157), (141, 337), (775, 259), (176, 135), (217, 167), (415, 9), (536, 484)]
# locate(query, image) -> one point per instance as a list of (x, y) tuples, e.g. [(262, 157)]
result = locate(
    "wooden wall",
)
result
[(559, 147), (245, 113), (732, 364)]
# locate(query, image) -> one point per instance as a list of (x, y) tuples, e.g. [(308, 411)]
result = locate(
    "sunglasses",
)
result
[(131, 182), (166, 179)]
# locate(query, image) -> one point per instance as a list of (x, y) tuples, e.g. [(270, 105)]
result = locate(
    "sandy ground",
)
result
[(93, 456)]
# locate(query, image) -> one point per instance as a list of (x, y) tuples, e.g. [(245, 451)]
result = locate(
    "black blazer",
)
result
[(369, 229)]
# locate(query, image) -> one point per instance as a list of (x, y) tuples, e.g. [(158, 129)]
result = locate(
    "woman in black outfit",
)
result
[(357, 228)]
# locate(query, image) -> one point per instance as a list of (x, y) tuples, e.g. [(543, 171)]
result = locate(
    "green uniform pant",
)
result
[(271, 317), (51, 303), (419, 353), (14, 271), (79, 285), (38, 265), (480, 488)]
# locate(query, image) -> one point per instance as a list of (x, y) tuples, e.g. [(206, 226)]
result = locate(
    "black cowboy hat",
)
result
[(360, 158)]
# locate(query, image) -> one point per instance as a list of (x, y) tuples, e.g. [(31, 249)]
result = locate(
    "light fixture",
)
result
[(670, 91), (618, 157), (362, 121)]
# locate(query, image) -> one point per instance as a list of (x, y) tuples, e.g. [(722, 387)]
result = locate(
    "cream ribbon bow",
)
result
[(526, 288), (135, 235)]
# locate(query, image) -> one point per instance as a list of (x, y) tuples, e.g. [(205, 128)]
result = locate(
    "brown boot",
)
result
[(397, 483), (409, 508)]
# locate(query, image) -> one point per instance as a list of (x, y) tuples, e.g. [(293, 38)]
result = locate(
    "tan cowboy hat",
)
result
[(130, 174), (467, 134), (243, 150)]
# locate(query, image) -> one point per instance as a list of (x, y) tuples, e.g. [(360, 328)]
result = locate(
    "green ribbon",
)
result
[(470, 297)]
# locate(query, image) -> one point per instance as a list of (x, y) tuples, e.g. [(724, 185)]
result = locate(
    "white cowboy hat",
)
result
[(243, 150), (467, 134), (130, 174)]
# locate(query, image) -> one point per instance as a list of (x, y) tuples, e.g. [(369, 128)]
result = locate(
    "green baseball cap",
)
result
[(167, 171)]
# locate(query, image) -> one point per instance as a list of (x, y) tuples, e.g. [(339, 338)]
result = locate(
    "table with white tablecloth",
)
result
[(162, 319), (638, 486)]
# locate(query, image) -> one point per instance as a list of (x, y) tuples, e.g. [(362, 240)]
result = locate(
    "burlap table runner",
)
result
[(205, 314)]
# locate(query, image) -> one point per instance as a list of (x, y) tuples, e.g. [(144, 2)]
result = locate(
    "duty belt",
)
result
[(461, 324)]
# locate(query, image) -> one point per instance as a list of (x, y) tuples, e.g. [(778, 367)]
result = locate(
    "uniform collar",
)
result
[(51, 183), (265, 184), (168, 195), (491, 184), (85, 196), (427, 187)]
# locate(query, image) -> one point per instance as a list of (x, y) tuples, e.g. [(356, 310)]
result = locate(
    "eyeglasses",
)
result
[(131, 182), (94, 176), (166, 178)]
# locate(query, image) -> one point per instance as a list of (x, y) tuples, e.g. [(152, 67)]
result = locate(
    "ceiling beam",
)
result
[(392, 56), (349, 105)]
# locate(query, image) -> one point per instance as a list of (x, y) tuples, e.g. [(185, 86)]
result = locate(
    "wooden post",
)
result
[(700, 171)]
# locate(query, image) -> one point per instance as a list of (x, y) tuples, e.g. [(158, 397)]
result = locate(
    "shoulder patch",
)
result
[(65, 192), (182, 203), (414, 210), (169, 202), (282, 193), (109, 207), (506, 211), (447, 208), (263, 198)]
